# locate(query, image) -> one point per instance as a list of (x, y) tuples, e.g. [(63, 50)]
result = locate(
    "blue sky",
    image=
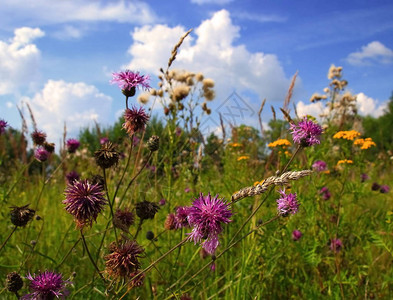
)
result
[(58, 56)]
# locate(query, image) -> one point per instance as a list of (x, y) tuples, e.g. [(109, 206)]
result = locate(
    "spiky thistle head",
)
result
[(123, 260), (47, 285), (38, 137), (287, 204), (21, 215), (135, 120), (306, 133), (206, 216), (84, 201), (107, 156), (3, 125), (128, 81)]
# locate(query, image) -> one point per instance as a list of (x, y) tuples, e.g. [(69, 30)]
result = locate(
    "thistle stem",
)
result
[(9, 236), (153, 264), (90, 257)]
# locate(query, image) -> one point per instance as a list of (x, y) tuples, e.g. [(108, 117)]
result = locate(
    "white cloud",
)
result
[(312, 109), (373, 52), (77, 104), (69, 32), (260, 18), (56, 12), (365, 105), (19, 60), (214, 53), (368, 106), (200, 2)]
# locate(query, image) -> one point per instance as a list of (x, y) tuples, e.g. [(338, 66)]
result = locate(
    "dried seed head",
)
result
[(14, 282), (39, 137), (123, 260), (170, 222), (208, 83), (123, 219), (180, 92), (107, 156), (20, 216), (153, 143), (144, 97), (199, 77), (209, 94), (146, 209)]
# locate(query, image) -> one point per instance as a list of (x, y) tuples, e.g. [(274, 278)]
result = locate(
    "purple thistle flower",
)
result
[(336, 245), (181, 217), (306, 132), (319, 166), (296, 235), (205, 216), (72, 145), (187, 190), (72, 176), (41, 154), (135, 120), (162, 202), (127, 80), (287, 204), (47, 285), (384, 189), (84, 201), (364, 177), (3, 125)]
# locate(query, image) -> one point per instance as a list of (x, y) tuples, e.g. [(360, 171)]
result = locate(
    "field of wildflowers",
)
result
[(152, 209)]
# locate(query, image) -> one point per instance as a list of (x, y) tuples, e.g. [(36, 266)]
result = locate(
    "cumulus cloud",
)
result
[(76, 104), (57, 12), (365, 105), (312, 109), (213, 52), (368, 106), (374, 52), (19, 60)]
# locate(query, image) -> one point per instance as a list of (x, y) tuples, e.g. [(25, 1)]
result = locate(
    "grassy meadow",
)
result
[(336, 244)]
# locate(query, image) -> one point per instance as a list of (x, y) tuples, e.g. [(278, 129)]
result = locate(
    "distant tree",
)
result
[(380, 129)]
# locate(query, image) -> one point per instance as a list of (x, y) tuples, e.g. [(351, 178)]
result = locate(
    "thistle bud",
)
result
[(107, 156), (146, 209), (129, 92), (153, 143), (14, 282), (20, 216)]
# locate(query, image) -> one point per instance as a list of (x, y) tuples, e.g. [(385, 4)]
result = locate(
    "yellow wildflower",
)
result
[(347, 135), (236, 145), (244, 157), (280, 142), (344, 161), (364, 143)]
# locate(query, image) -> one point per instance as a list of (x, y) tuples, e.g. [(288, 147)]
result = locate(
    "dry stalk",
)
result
[(177, 46), (259, 115), (32, 116), (290, 92), (274, 113), (272, 180)]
